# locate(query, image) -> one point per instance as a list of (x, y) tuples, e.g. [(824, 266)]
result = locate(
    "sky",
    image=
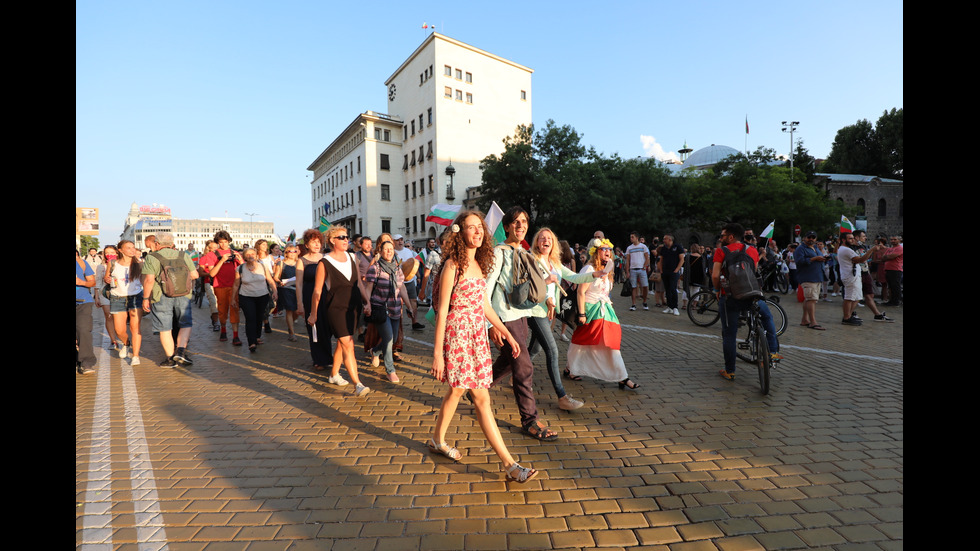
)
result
[(217, 108)]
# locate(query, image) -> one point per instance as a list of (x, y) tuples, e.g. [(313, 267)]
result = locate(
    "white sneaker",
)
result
[(375, 360), (337, 380), (135, 361), (122, 351), (564, 338), (667, 310), (676, 312), (568, 403), (360, 390)]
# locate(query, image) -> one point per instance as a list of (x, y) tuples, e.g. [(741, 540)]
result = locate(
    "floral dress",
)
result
[(466, 346)]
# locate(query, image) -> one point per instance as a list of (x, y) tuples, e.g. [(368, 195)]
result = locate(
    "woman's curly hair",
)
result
[(454, 248)]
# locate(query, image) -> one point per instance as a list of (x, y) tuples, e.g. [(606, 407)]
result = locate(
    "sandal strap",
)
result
[(445, 449), (522, 472)]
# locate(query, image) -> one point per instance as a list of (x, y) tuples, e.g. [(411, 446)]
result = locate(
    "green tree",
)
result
[(88, 242), (890, 131), (861, 148)]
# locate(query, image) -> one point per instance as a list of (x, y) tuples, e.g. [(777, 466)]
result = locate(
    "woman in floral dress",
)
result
[(461, 355)]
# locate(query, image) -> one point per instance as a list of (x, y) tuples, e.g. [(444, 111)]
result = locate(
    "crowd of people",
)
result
[(521, 296)]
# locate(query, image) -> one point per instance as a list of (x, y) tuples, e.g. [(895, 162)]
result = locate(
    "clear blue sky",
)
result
[(218, 107)]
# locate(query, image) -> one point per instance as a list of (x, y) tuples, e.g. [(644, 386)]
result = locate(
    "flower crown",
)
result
[(597, 243)]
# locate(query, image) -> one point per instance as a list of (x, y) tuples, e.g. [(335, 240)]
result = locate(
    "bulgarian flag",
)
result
[(443, 214), (845, 225), (494, 217), (767, 233)]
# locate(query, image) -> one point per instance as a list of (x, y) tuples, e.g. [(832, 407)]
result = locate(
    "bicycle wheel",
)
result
[(702, 308), (764, 360), (778, 316), (782, 283)]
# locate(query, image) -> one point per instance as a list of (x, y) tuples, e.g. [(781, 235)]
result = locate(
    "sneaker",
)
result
[(223, 337), (855, 318), (375, 360), (169, 363), (393, 377), (235, 341), (216, 327), (83, 370), (291, 338), (135, 361), (337, 380), (568, 403), (418, 326), (645, 307), (668, 310), (676, 312), (726, 375), (566, 339), (633, 308), (883, 317), (361, 390), (850, 321), (122, 351), (182, 360)]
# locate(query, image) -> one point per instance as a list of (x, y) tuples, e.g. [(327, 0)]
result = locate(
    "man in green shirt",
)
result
[(165, 308)]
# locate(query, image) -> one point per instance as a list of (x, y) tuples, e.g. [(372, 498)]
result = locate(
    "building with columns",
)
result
[(449, 106)]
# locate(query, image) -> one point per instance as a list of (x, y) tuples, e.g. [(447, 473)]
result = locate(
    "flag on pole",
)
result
[(746, 124), (324, 224), (494, 218), (292, 237), (845, 225), (767, 233), (443, 214)]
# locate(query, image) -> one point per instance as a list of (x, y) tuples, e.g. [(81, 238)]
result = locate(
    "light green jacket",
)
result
[(541, 310)]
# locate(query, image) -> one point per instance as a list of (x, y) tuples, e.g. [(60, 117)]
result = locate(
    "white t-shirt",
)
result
[(845, 256), (637, 255)]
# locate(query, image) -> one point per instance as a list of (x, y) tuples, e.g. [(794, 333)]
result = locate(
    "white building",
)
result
[(449, 106), (143, 221)]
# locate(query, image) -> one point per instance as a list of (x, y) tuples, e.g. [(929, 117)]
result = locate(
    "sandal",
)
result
[(540, 431), (627, 383), (817, 326), (570, 377), (444, 449), (523, 474)]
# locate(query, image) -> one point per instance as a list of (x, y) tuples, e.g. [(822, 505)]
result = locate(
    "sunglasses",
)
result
[(344, 237)]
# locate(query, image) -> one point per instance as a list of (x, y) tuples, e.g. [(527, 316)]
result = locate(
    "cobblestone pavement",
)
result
[(258, 452)]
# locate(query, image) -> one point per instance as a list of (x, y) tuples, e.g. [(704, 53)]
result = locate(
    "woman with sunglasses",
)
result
[(337, 296)]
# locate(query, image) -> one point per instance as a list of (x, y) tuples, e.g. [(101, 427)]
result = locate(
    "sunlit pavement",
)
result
[(248, 451)]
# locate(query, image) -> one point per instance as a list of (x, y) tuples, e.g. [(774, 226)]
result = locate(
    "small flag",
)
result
[(443, 214), (845, 225), (292, 237), (324, 224), (746, 124), (494, 218), (427, 26), (767, 233)]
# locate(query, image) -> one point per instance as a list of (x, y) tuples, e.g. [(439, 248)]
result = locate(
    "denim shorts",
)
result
[(118, 305), (163, 313), (638, 278)]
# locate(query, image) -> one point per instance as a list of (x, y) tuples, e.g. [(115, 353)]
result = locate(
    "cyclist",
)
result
[(730, 308)]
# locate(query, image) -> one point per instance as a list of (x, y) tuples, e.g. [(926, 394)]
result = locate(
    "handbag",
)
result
[(627, 289), (379, 310)]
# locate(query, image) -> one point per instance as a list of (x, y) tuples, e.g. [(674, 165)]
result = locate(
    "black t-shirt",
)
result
[(671, 256)]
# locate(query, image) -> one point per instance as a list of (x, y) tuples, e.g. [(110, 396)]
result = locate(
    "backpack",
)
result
[(738, 269), (528, 282), (175, 276)]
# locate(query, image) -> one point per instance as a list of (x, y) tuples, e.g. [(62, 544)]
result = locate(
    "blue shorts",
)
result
[(119, 305), (167, 309)]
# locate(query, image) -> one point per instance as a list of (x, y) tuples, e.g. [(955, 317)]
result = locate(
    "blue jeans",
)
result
[(729, 310), (543, 338), (387, 332)]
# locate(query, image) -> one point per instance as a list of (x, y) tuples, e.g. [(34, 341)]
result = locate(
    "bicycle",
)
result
[(756, 347), (702, 308), (772, 277)]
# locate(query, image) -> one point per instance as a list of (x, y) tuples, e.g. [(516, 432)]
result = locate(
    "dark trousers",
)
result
[(670, 288), (254, 310), (894, 279), (83, 334), (521, 369)]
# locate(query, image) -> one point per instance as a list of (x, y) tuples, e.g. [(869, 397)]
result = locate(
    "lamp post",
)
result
[(251, 229), (790, 127), (450, 172)]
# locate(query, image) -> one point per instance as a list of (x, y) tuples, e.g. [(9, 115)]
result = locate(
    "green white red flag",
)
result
[(845, 225), (494, 218), (443, 214), (767, 233)]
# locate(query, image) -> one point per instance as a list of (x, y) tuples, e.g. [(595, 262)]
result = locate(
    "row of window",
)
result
[(422, 118), (882, 207), (448, 93), (459, 74)]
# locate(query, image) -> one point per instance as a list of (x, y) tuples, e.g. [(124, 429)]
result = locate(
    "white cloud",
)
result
[(655, 150)]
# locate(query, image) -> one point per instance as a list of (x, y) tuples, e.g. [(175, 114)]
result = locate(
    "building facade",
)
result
[(449, 106), (143, 221), (880, 202)]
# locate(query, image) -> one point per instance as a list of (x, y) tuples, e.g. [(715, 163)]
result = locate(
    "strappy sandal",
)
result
[(444, 449), (627, 383), (570, 377), (522, 474), (540, 432)]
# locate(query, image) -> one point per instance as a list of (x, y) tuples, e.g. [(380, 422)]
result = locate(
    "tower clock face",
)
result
[(391, 92)]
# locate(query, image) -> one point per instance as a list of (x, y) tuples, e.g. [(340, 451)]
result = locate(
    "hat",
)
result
[(811, 234), (409, 268), (397, 236)]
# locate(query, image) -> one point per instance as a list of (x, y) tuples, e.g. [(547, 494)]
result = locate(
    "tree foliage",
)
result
[(874, 150)]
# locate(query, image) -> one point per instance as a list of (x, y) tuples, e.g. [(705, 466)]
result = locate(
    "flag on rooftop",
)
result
[(443, 214)]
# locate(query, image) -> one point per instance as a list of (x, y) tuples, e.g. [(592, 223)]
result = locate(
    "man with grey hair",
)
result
[(167, 287)]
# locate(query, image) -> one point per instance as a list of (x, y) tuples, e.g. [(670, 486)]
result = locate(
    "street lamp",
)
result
[(790, 127), (450, 192), (251, 229)]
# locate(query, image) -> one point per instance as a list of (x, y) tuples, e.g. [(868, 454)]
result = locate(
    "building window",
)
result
[(860, 205), (448, 92), (377, 133), (385, 165), (459, 74), (430, 116), (413, 189), (523, 95), (413, 158), (459, 95), (421, 149), (469, 97), (413, 127), (405, 166), (447, 70), (420, 123), (882, 208), (358, 164), (431, 184), (385, 226), (387, 135), (469, 78), (405, 128), (428, 155), (415, 224)]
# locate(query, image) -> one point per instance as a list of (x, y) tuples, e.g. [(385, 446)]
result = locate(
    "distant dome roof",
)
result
[(707, 156)]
